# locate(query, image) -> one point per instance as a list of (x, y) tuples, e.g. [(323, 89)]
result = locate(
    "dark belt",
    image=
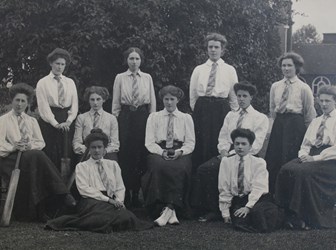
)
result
[(212, 98), (176, 144), (134, 108), (288, 114)]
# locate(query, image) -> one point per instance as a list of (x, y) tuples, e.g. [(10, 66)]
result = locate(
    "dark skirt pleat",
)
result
[(167, 182), (55, 138), (98, 216), (309, 190), (208, 116), (38, 180), (132, 155), (285, 140)]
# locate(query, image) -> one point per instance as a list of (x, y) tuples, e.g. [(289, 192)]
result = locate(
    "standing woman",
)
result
[(39, 178), (211, 97), (58, 106), (292, 108), (170, 138), (96, 118), (133, 100)]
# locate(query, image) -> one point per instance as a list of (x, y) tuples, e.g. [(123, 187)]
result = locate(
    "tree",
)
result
[(307, 34), (170, 32)]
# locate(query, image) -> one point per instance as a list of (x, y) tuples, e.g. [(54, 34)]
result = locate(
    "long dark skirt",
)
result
[(55, 138), (39, 179), (132, 155), (167, 182), (285, 140), (98, 216), (264, 217), (208, 116), (309, 190)]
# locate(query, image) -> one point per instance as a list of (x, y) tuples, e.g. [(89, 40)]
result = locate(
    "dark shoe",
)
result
[(210, 217), (69, 201), (295, 223)]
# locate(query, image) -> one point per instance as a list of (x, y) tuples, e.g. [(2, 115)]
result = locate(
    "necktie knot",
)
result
[(242, 112), (57, 78), (287, 82)]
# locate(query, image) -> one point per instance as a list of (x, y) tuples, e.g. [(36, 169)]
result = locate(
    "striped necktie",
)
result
[(135, 91), (212, 79), (61, 93), (284, 98), (105, 180), (241, 176), (22, 127), (170, 132), (242, 114), (95, 119), (320, 131)]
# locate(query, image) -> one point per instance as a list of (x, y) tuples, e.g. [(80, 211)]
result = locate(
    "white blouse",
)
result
[(10, 133), (156, 131)]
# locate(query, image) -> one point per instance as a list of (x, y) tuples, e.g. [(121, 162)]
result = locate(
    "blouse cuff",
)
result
[(317, 158)]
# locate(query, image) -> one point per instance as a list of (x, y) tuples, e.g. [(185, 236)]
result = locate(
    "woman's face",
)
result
[(58, 66), (327, 103), (244, 98), (20, 103), (96, 101), (134, 61), (170, 102), (288, 68), (215, 50), (97, 149)]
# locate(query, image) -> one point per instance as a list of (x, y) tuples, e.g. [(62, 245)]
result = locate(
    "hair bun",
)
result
[(96, 131)]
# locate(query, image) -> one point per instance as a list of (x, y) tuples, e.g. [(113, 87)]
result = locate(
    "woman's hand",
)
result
[(242, 212), (165, 155), (227, 220), (22, 145), (116, 204), (64, 126), (176, 155), (306, 158)]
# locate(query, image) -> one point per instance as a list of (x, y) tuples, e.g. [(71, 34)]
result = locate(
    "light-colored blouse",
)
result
[(10, 133), (156, 131)]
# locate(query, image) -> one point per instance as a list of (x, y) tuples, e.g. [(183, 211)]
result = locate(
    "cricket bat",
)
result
[(14, 180)]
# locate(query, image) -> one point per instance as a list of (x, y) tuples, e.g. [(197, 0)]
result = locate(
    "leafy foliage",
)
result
[(307, 34), (170, 32)]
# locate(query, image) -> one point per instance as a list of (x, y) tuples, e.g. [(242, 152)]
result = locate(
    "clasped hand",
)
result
[(167, 157), (22, 145), (64, 126), (116, 204), (306, 158)]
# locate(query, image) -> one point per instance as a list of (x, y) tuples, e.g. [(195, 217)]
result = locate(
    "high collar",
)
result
[(129, 73), (175, 112), (220, 61), (100, 111)]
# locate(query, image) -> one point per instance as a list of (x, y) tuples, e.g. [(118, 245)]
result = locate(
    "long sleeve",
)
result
[(77, 142), (189, 139), (306, 143), (5, 147), (272, 103), (259, 182), (152, 98), (85, 190), (37, 141), (72, 113), (260, 131), (150, 143), (326, 154), (193, 96), (232, 95), (224, 139), (309, 112), (119, 184), (225, 195), (116, 102), (114, 144)]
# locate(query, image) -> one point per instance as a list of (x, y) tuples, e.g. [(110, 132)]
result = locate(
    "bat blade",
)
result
[(8, 207)]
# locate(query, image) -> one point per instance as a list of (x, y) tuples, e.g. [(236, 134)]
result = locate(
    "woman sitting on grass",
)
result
[(101, 208)]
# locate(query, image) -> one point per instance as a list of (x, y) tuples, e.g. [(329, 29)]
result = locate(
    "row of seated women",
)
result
[(169, 137)]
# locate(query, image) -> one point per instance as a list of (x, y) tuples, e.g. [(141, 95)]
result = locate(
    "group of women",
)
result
[(136, 147)]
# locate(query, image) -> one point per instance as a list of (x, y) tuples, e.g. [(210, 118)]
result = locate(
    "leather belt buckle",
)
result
[(133, 108)]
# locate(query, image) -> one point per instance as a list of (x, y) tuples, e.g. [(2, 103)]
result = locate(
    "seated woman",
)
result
[(96, 118), (170, 139), (39, 178), (306, 186), (101, 208)]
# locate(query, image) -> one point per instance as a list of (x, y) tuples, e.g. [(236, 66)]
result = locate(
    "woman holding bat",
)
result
[(39, 178)]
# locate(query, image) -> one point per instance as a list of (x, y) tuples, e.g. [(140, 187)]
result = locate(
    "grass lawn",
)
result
[(189, 235)]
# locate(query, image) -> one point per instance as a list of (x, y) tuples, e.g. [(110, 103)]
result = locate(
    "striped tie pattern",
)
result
[(23, 128), (95, 119), (135, 91), (241, 176), (105, 180), (170, 132), (212, 79), (242, 114), (320, 132), (61, 93), (284, 98)]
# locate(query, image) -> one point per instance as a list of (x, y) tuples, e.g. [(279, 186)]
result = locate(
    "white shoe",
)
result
[(173, 219), (163, 219)]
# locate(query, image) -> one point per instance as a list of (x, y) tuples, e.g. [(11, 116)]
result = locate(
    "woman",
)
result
[(292, 108), (96, 118), (58, 106), (306, 186), (101, 208), (133, 101), (170, 138), (39, 178)]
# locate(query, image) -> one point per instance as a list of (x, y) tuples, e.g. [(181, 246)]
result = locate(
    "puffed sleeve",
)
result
[(37, 141), (309, 112), (5, 147), (272, 103), (77, 142), (116, 102), (260, 132), (72, 114), (189, 138), (193, 96), (113, 145), (152, 96), (150, 143), (232, 95), (224, 139), (119, 184), (225, 196)]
